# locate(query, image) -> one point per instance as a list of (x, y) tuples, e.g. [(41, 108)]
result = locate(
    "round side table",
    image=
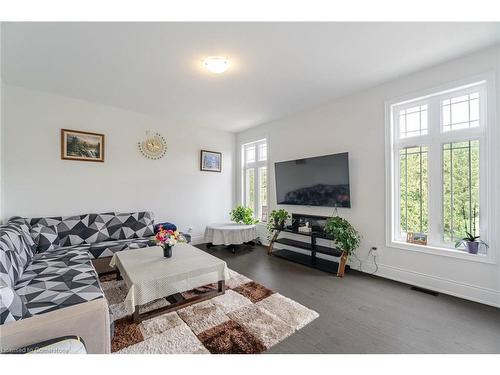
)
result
[(230, 234)]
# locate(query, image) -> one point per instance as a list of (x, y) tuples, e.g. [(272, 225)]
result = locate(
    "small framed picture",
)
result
[(80, 145), (211, 161), (418, 238)]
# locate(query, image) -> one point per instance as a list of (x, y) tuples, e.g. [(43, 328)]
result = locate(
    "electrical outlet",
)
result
[(374, 251)]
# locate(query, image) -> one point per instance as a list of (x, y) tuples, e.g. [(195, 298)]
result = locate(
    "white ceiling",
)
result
[(278, 68)]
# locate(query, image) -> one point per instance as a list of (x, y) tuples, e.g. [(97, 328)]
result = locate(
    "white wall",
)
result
[(39, 183), (356, 124), (1, 135)]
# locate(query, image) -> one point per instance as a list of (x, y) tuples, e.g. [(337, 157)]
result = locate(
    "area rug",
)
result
[(249, 318)]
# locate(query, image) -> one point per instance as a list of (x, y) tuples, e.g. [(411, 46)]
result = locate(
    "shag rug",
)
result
[(248, 318)]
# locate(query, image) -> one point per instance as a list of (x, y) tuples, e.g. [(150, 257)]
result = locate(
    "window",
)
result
[(413, 121), (461, 112), (438, 168), (413, 194), (254, 175), (460, 189)]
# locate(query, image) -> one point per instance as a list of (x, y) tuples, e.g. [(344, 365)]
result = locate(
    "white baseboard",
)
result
[(197, 239), (471, 292)]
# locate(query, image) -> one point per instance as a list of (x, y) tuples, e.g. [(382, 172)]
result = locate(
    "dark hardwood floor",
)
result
[(367, 314)]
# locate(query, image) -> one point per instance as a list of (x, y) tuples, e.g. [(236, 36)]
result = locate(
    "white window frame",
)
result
[(486, 133), (254, 165)]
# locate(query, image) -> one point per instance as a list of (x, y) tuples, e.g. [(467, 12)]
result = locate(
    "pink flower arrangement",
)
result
[(168, 237)]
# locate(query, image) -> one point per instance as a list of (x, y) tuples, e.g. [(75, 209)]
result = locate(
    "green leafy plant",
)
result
[(243, 215), (277, 220), (470, 231), (345, 236)]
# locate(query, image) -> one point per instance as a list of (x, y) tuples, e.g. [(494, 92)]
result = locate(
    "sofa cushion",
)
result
[(16, 252), (108, 248), (72, 229), (63, 252), (46, 237), (95, 228), (59, 278), (8, 269), (131, 225), (23, 227), (76, 230), (12, 305)]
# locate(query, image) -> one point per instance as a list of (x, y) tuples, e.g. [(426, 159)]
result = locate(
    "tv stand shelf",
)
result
[(311, 246), (308, 246)]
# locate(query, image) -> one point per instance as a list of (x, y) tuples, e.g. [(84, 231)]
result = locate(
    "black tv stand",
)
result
[(309, 245)]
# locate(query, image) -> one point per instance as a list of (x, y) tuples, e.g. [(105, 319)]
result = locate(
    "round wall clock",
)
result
[(154, 146)]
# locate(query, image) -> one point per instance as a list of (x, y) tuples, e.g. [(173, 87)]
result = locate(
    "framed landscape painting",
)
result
[(211, 161), (79, 145)]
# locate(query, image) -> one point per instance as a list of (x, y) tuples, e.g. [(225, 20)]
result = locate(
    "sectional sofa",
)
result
[(49, 286)]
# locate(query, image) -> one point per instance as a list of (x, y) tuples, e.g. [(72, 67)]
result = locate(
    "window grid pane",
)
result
[(414, 215), (413, 121), (250, 188), (461, 112), (262, 151), (460, 189), (250, 154), (263, 193)]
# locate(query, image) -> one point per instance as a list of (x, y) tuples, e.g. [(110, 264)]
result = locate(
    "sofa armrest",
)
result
[(58, 345), (89, 320), (187, 236)]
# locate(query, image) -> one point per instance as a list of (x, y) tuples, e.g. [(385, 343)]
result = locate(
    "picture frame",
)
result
[(82, 146), (210, 161), (416, 238)]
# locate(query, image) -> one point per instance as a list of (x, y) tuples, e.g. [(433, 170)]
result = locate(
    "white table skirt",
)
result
[(230, 233), (150, 276)]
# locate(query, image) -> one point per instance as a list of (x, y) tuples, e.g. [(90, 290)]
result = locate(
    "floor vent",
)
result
[(426, 291)]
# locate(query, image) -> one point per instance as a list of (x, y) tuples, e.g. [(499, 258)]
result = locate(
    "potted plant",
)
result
[(345, 237), (471, 241), (243, 215), (277, 220), (167, 238)]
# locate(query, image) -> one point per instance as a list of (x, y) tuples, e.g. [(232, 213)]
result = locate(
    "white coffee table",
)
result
[(150, 276), (230, 234)]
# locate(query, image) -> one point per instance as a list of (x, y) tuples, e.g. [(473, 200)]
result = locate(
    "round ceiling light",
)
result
[(216, 64)]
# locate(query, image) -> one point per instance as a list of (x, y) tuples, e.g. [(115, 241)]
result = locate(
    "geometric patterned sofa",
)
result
[(101, 234), (49, 286)]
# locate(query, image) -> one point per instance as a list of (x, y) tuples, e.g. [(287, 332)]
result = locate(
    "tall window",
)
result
[(438, 148), (254, 157)]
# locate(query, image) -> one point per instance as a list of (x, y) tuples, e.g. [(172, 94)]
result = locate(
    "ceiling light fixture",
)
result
[(216, 64)]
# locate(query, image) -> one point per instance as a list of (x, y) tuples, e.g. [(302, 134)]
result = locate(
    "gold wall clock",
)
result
[(154, 146)]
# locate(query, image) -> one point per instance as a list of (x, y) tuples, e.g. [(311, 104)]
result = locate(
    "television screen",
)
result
[(317, 181)]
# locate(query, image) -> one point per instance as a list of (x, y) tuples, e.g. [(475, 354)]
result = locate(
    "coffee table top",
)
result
[(150, 276)]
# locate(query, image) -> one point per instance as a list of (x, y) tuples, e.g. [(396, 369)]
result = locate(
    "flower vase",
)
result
[(472, 247), (167, 251)]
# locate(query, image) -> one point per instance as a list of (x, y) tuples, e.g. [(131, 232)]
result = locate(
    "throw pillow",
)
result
[(46, 237), (166, 226)]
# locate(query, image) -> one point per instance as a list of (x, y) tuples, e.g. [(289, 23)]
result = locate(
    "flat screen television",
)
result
[(316, 181)]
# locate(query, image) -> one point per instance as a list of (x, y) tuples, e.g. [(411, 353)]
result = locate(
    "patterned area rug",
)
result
[(248, 318)]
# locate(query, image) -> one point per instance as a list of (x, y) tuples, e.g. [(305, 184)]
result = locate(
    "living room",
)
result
[(250, 187)]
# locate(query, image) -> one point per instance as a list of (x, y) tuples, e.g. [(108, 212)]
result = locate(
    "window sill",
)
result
[(442, 251)]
